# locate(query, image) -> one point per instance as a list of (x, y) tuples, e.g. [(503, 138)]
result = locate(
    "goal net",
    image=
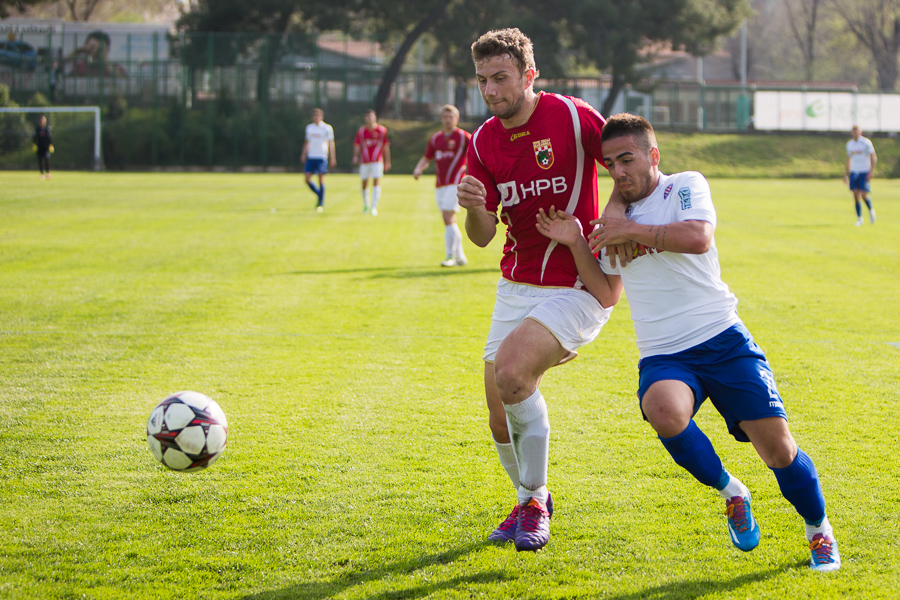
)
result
[(75, 131)]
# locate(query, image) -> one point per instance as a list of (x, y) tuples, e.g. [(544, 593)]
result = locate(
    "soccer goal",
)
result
[(75, 131)]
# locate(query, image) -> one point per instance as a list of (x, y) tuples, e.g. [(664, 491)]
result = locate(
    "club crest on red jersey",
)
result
[(543, 152)]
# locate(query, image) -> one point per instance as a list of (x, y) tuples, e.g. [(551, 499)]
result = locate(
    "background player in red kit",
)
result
[(539, 150), (447, 148), (372, 152)]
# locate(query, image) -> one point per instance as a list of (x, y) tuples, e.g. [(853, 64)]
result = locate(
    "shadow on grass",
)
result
[(321, 590), (698, 589), (395, 273)]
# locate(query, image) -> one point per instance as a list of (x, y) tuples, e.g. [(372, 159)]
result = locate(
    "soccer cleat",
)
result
[(506, 531), (859, 222), (366, 209), (461, 261), (319, 209), (374, 212), (533, 526), (871, 212), (449, 262), (742, 526), (825, 555)]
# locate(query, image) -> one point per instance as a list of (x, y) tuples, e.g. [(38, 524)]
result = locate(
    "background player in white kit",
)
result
[(538, 150), (317, 149), (861, 160), (448, 148), (692, 343), (372, 152)]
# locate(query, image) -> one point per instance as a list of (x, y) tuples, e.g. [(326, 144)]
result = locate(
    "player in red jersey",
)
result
[(372, 152), (448, 148), (539, 150)]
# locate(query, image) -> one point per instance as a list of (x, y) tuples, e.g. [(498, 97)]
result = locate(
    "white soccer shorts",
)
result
[(573, 316), (374, 170), (446, 198)]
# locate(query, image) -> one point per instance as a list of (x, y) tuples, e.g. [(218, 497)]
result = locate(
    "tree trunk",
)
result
[(618, 84), (393, 69)]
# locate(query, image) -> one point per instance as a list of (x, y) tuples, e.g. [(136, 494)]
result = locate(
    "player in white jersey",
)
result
[(861, 160), (318, 154), (693, 345)]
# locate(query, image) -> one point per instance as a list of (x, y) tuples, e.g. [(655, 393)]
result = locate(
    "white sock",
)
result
[(376, 195), (457, 242), (734, 488), (529, 428), (823, 527), (448, 239), (508, 460), (365, 196)]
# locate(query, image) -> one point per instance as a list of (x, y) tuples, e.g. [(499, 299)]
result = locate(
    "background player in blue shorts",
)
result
[(693, 346), (317, 149), (861, 160)]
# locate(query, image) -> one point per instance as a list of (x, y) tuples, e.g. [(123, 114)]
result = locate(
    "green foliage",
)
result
[(38, 100), (359, 463), (116, 106)]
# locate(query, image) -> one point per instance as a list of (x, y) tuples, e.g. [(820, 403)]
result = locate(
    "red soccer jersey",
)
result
[(549, 161), (449, 155), (371, 143)]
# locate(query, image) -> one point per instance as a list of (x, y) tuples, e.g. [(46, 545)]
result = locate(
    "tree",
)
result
[(611, 34), (803, 17), (262, 26), (81, 10), (8, 7), (876, 25)]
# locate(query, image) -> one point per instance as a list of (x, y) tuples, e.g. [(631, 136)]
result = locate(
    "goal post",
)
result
[(71, 128)]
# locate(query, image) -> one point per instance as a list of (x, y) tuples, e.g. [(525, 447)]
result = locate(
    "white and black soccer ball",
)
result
[(187, 431)]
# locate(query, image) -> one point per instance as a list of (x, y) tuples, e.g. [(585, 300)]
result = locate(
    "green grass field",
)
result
[(359, 463)]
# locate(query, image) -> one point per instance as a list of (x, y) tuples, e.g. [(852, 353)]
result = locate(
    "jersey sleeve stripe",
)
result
[(579, 173)]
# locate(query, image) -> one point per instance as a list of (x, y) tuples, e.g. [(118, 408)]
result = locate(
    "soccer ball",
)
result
[(187, 431)]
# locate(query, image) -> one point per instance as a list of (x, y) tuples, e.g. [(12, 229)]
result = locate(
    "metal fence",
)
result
[(239, 100)]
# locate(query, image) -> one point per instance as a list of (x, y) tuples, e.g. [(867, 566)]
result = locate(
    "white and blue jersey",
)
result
[(694, 334)]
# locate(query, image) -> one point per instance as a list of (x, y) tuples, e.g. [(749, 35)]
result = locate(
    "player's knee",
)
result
[(513, 382), (666, 419)]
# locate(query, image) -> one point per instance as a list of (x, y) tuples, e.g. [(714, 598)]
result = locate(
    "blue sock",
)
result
[(313, 187), (858, 209), (869, 203), (321, 193), (693, 451), (799, 483)]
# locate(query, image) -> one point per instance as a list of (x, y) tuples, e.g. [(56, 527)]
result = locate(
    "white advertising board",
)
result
[(825, 111)]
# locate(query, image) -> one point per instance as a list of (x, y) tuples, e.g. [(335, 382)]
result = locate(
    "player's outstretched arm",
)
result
[(420, 167), (566, 229), (685, 237), (481, 225)]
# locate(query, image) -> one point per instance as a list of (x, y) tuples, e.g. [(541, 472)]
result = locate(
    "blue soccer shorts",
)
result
[(316, 165), (859, 181), (730, 370)]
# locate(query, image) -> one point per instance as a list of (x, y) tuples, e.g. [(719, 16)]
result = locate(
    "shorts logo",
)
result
[(667, 192), (685, 195), (543, 152)]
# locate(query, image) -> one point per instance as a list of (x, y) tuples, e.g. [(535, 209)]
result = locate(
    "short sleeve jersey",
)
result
[(318, 137), (371, 143), (548, 161), (859, 151), (449, 155), (698, 304)]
